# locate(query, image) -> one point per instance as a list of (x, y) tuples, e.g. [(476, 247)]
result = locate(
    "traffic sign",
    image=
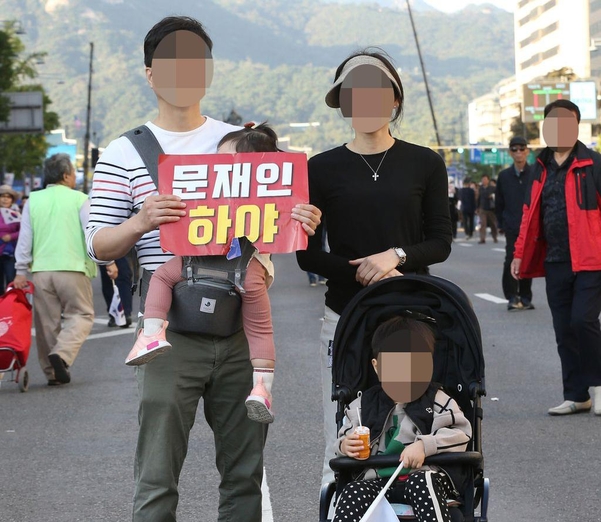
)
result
[(26, 112), (490, 157), (496, 157)]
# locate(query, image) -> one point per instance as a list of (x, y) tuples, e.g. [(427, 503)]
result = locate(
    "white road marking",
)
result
[(118, 331), (267, 511), (112, 333), (465, 244), (499, 250), (492, 298)]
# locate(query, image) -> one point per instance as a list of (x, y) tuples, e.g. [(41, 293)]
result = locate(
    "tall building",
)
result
[(551, 35), (484, 119), (595, 33), (510, 106)]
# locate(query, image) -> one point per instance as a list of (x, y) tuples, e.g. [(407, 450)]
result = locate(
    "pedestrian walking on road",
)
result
[(509, 202), (560, 239), (384, 201), (467, 198), (486, 209), (454, 213), (10, 223), (52, 246), (118, 273), (216, 369)]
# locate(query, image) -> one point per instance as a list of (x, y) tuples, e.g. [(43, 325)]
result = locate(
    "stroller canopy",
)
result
[(458, 358)]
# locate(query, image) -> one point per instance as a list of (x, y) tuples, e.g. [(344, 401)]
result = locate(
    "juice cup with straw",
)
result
[(363, 432)]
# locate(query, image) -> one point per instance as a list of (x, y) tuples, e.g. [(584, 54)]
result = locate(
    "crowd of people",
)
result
[(474, 206), (497, 204), (406, 221)]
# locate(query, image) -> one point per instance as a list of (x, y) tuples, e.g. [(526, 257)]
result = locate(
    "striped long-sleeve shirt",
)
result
[(122, 183)]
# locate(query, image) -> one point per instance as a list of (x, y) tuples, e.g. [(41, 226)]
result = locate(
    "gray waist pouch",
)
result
[(207, 306)]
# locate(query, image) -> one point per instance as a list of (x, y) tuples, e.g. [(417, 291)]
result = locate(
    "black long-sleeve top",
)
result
[(509, 198), (407, 206)]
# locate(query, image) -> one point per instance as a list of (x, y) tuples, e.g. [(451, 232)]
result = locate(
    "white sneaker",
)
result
[(569, 407), (597, 400)]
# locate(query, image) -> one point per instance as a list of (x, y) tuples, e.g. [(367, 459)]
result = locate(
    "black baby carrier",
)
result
[(208, 300)]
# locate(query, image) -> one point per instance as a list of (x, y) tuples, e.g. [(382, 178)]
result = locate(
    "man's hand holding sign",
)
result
[(234, 195)]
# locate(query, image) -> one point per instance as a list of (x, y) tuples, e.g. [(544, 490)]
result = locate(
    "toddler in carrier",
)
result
[(256, 308), (407, 415)]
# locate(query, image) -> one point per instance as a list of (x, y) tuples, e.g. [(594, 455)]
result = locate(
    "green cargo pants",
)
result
[(170, 386)]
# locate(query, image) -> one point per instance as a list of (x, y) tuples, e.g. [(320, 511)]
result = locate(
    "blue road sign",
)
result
[(475, 155)]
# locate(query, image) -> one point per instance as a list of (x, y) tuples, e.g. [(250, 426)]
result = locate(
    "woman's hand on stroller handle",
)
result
[(351, 445), (392, 273), (413, 456)]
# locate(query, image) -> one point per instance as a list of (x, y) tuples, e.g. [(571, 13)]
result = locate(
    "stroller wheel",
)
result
[(24, 380)]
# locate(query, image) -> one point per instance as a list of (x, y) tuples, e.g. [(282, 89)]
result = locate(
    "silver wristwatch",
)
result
[(402, 256)]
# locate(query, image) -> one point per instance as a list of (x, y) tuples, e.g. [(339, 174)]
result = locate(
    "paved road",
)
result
[(66, 453)]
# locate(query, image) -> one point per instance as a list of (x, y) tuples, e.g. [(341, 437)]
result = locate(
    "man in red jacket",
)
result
[(560, 239)]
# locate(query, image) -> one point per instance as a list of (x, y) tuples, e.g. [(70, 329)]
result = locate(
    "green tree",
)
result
[(21, 153), (8, 59), (525, 130)]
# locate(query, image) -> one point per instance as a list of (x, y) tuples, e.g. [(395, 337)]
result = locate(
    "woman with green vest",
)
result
[(52, 247)]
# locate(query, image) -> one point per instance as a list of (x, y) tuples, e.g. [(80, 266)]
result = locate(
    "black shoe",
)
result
[(61, 370), (527, 304), (54, 382), (127, 322), (514, 304), (111, 323)]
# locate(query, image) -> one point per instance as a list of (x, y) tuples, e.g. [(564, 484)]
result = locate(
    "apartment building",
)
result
[(484, 119), (550, 35), (595, 34)]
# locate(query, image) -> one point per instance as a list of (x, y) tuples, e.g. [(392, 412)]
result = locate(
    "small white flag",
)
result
[(116, 308)]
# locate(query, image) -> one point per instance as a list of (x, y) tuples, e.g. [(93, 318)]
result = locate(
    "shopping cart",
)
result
[(15, 334)]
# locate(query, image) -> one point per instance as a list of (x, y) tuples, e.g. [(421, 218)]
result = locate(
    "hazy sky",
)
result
[(454, 5)]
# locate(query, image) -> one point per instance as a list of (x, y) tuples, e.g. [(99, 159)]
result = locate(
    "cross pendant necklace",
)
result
[(375, 172)]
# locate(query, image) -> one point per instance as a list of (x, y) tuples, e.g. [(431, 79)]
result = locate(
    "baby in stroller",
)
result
[(410, 416)]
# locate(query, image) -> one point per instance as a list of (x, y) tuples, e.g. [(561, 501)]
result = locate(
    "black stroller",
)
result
[(458, 366)]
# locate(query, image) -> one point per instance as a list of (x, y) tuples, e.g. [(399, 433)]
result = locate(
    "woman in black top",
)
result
[(385, 202)]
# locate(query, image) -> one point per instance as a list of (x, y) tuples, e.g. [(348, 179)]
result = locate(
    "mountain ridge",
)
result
[(271, 61)]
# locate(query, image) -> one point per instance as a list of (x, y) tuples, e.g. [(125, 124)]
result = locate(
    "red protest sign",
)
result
[(234, 195)]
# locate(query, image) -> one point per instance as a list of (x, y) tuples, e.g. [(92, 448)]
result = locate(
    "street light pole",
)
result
[(86, 141), (421, 61)]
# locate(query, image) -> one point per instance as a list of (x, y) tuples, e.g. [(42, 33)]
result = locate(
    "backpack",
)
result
[(208, 301)]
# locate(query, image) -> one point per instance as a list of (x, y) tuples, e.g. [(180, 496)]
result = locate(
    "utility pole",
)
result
[(86, 141), (421, 62)]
